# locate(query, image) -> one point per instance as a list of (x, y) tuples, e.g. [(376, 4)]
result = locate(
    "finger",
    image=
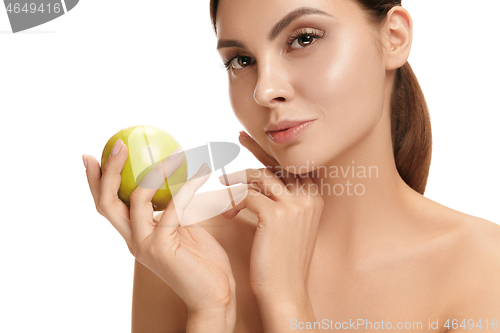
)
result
[(111, 178), (172, 216), (307, 180), (268, 161), (105, 192), (250, 144), (288, 178), (265, 179), (305, 183), (253, 200), (237, 191), (141, 208), (94, 178)]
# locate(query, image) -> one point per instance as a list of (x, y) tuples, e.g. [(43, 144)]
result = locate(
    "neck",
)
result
[(366, 201)]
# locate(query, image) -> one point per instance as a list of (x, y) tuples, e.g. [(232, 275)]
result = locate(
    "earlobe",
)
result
[(399, 28)]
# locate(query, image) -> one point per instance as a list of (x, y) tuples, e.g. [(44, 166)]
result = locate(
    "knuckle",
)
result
[(309, 203), (99, 210), (314, 202), (297, 210), (254, 189), (267, 172), (280, 212), (132, 250), (314, 199), (135, 197), (170, 205), (101, 204), (108, 167), (252, 174)]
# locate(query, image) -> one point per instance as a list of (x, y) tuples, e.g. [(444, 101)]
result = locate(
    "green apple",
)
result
[(147, 146)]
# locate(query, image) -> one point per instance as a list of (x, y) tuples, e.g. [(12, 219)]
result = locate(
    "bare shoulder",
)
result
[(479, 243), (468, 239), (155, 306), (484, 237), (476, 272), (463, 257)]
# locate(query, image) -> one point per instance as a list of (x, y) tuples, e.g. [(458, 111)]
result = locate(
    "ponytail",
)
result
[(410, 129)]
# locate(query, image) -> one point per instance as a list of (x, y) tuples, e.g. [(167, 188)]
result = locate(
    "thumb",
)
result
[(172, 217), (141, 208)]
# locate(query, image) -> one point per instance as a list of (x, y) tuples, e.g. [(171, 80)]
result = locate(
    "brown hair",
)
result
[(410, 120)]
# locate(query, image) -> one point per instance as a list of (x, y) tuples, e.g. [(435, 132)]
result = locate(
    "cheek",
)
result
[(239, 98), (346, 85)]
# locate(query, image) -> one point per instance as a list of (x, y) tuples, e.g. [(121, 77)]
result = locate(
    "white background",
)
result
[(68, 85)]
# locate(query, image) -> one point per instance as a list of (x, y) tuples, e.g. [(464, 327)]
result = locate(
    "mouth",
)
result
[(287, 131), (285, 124)]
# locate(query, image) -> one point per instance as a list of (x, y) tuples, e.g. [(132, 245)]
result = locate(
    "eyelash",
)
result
[(316, 34)]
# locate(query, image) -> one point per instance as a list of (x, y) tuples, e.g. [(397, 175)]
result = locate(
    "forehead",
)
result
[(239, 17)]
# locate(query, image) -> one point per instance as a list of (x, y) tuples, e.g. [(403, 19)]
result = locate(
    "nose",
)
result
[(273, 86)]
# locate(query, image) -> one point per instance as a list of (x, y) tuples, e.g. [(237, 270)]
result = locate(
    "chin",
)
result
[(296, 166)]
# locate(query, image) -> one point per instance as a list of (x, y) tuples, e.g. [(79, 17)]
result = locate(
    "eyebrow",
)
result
[(289, 18)]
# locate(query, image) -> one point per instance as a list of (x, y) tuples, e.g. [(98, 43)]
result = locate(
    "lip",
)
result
[(287, 131), (285, 124)]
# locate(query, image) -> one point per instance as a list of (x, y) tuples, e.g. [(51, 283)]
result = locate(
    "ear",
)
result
[(398, 29)]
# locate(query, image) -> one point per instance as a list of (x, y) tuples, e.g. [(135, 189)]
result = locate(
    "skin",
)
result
[(388, 255)]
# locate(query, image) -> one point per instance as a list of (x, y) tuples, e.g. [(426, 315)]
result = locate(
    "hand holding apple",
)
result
[(187, 258)]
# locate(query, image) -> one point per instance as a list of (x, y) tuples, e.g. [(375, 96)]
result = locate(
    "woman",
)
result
[(345, 240)]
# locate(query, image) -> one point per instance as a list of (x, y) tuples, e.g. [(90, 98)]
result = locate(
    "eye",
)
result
[(305, 37), (303, 41), (239, 62), (299, 39)]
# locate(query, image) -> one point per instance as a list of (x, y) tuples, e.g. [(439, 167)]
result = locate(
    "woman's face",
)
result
[(303, 60)]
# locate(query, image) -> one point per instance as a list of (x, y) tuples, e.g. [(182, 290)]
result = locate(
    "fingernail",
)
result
[(243, 134), (84, 157), (204, 169), (116, 148), (175, 154)]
